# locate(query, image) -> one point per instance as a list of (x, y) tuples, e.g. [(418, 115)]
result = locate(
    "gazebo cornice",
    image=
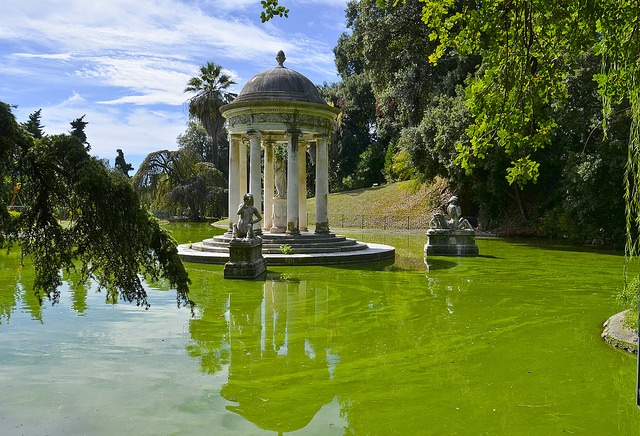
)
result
[(278, 116), (232, 109)]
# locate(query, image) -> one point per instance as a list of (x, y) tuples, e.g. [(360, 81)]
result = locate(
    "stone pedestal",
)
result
[(279, 215), (448, 242), (245, 259)]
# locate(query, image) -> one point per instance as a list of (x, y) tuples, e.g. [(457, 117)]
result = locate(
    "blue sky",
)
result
[(125, 63)]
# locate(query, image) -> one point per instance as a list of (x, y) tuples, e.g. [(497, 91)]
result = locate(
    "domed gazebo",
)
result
[(279, 106)]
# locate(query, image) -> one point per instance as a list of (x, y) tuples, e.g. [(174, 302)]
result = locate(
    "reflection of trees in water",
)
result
[(210, 331), (16, 284), (7, 297), (79, 290), (15, 280), (391, 331), (366, 338)]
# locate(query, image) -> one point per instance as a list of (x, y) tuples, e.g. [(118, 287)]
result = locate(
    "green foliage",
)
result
[(34, 126), (272, 9), (628, 298), (195, 138), (77, 130), (180, 178), (524, 55), (286, 249), (387, 46), (369, 169), (579, 190), (121, 164), (355, 133), (109, 237), (384, 58), (210, 95), (527, 48), (429, 149)]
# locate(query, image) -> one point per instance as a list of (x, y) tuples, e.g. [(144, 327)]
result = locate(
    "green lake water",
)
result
[(507, 343)]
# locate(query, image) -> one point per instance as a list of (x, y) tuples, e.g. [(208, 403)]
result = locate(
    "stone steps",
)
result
[(301, 244), (306, 249), (299, 249)]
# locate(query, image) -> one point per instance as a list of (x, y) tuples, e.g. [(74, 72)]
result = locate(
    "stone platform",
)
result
[(245, 259), (617, 334), (446, 242), (305, 249)]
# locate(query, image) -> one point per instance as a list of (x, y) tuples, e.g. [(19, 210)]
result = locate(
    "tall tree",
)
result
[(527, 48), (77, 129), (210, 89), (121, 164), (356, 133), (195, 138), (34, 126), (109, 237), (181, 179), (387, 86)]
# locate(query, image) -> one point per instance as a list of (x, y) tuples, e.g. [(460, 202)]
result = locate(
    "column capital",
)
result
[(253, 133)]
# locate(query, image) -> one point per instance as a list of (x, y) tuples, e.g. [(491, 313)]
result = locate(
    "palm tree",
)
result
[(210, 88)]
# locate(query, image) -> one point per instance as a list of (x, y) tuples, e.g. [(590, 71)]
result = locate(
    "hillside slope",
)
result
[(401, 198)]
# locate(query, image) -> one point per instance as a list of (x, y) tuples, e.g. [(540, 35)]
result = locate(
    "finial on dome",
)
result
[(280, 57)]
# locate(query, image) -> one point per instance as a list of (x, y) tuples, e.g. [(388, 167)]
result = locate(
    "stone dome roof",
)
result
[(279, 84)]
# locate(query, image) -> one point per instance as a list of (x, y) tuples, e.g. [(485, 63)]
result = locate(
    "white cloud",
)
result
[(147, 80), (159, 27), (130, 44), (136, 130), (125, 64), (57, 56)]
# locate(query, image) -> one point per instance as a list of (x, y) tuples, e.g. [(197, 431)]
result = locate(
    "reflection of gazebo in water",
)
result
[(281, 106), (280, 372)]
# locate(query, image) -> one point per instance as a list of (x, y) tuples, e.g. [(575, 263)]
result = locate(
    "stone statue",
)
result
[(453, 237), (455, 223), (280, 178), (246, 212)]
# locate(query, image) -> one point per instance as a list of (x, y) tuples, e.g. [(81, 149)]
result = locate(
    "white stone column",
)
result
[(243, 169), (302, 186), (255, 173), (322, 186), (293, 219), (268, 186), (234, 179)]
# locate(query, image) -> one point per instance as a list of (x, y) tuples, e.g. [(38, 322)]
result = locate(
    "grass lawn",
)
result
[(401, 198)]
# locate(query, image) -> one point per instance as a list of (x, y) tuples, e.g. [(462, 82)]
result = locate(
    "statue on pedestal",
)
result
[(246, 212), (245, 248), (453, 237), (280, 177)]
